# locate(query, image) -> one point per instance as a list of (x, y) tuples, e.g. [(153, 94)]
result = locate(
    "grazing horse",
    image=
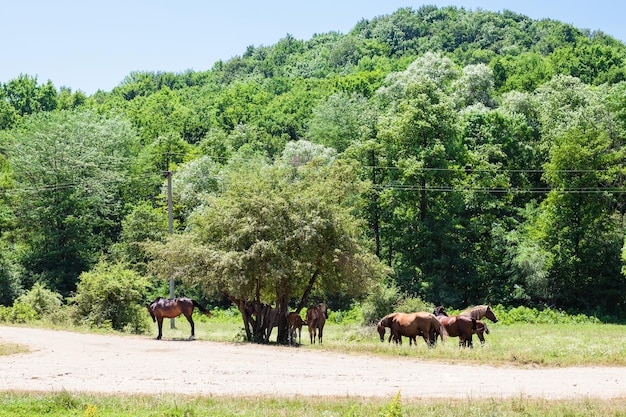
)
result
[(411, 325), (315, 320), (170, 308), (462, 327), (480, 312), (294, 322)]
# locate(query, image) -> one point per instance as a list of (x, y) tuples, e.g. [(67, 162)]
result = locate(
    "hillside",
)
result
[(486, 153)]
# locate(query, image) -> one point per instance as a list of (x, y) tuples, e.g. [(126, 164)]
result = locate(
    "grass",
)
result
[(86, 405), (544, 345)]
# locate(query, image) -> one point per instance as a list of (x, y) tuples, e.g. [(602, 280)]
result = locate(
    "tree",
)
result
[(578, 228), (271, 237), (342, 120), (68, 168), (420, 134)]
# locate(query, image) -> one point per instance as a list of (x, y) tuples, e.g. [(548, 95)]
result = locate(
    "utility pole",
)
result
[(170, 226)]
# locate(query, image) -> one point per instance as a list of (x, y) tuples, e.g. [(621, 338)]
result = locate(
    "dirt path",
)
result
[(114, 364)]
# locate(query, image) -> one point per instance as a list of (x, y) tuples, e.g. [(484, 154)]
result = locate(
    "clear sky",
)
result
[(90, 45)]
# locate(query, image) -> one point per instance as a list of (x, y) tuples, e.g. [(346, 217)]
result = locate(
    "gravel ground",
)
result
[(60, 360)]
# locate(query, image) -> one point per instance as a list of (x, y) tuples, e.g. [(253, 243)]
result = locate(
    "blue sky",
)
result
[(90, 45)]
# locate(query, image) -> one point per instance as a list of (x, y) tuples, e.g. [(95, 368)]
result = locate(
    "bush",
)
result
[(536, 316), (43, 300), (18, 313), (413, 304), (111, 295), (381, 301)]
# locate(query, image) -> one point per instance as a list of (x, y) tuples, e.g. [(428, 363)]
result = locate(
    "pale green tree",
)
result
[(272, 237)]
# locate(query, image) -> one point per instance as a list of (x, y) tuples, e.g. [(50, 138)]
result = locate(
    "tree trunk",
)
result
[(282, 309)]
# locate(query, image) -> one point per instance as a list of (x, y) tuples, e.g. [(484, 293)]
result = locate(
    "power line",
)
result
[(500, 190)]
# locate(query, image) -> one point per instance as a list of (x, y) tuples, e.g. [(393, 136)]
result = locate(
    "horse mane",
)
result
[(476, 311)]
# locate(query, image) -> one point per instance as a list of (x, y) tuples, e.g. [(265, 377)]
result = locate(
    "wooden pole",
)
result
[(170, 229)]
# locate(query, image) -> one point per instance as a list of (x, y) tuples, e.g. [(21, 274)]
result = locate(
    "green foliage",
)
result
[(111, 295), (88, 405), (539, 316), (67, 167), (41, 299), (18, 313), (381, 300), (275, 232), (393, 409), (412, 304), (491, 143)]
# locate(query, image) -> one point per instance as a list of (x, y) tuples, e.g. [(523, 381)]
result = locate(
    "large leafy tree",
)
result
[(275, 234), (68, 169), (421, 139)]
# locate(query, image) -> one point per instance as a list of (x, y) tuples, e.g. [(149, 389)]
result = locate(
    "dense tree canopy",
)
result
[(479, 156)]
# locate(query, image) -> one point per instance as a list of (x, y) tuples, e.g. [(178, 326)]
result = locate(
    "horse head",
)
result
[(381, 331), (490, 314), (382, 324), (440, 311)]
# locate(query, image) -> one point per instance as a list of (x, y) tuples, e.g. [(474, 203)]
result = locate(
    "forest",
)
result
[(458, 157)]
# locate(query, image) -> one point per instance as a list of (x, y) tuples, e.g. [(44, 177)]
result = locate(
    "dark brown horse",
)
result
[(411, 325), (462, 327), (480, 312), (315, 319), (170, 308), (294, 322)]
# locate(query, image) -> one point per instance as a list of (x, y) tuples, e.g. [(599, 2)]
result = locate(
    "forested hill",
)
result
[(523, 53), (478, 155)]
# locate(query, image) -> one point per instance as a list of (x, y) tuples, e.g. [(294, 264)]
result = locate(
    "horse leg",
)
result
[(160, 325), (193, 330), (319, 336)]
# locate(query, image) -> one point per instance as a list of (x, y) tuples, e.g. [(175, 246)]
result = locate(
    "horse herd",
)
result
[(437, 324), (430, 326)]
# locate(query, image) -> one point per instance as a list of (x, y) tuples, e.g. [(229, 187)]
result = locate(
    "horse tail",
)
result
[(440, 328), (202, 309)]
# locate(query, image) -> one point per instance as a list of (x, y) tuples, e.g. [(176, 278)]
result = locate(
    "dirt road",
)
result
[(119, 364)]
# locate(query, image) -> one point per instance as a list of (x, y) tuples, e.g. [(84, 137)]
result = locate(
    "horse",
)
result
[(315, 320), (169, 308), (480, 312), (411, 325), (462, 327), (294, 322)]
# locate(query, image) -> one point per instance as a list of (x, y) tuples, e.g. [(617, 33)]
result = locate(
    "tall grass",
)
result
[(539, 343), (86, 405), (538, 338), (519, 344)]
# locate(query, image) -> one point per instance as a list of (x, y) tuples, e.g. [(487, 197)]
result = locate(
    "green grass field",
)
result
[(545, 345), (69, 404), (551, 345)]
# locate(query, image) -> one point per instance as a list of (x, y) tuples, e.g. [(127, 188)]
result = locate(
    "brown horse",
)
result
[(170, 308), (462, 327), (294, 322), (480, 312), (315, 320), (411, 325)]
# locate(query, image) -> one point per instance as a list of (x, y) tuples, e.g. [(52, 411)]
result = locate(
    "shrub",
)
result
[(43, 300), (381, 301), (413, 304), (111, 296), (18, 313)]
